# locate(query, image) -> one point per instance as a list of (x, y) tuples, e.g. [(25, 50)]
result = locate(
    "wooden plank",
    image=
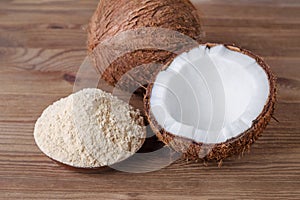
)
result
[(18, 59), (42, 45)]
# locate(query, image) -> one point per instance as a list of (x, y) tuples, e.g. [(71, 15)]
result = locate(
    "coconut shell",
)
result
[(199, 151), (118, 16)]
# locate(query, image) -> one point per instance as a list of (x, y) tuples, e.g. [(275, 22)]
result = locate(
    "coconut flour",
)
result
[(89, 129)]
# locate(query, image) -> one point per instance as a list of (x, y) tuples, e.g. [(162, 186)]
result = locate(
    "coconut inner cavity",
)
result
[(209, 95)]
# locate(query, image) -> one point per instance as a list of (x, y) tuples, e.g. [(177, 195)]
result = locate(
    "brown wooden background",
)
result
[(42, 44)]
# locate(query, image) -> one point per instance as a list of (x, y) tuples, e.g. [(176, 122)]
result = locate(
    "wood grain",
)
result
[(42, 45)]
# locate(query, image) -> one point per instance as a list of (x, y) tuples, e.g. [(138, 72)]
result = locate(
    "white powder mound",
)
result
[(90, 129)]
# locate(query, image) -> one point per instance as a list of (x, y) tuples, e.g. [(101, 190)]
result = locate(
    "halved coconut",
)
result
[(211, 102)]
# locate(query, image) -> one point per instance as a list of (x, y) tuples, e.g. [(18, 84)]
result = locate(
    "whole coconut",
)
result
[(169, 25)]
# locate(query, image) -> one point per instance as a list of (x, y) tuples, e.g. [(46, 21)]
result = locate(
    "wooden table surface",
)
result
[(42, 45)]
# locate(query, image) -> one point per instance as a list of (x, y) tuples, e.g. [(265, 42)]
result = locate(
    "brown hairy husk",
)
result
[(114, 17)]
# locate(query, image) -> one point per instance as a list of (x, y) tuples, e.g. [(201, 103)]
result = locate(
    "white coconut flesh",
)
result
[(209, 95)]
